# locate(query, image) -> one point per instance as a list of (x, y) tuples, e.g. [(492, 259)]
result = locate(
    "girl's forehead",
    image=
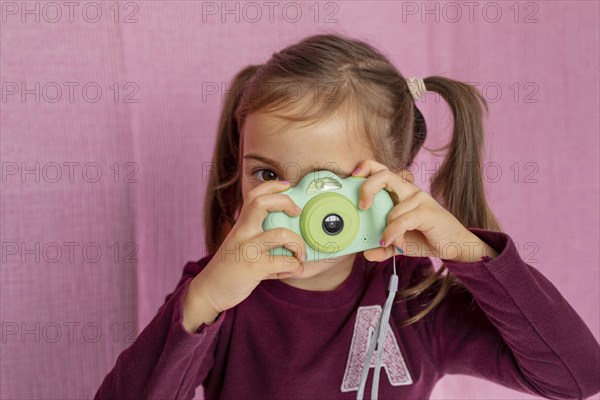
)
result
[(324, 144), (272, 129)]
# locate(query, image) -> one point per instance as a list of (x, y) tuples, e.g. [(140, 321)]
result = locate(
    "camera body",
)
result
[(331, 223)]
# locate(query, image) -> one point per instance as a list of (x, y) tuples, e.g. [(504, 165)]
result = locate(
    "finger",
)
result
[(367, 167), (284, 275), (391, 182), (406, 205), (282, 237), (379, 253), (268, 266), (255, 212), (267, 188), (407, 176), (281, 269), (411, 220)]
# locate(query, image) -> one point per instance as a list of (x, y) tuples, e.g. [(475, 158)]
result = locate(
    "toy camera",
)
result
[(331, 223)]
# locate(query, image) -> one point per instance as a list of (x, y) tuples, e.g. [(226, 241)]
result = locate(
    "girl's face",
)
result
[(272, 153)]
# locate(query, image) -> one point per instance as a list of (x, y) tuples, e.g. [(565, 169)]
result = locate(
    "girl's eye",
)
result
[(267, 174)]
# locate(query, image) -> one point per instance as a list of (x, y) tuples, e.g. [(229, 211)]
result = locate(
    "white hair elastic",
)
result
[(417, 87)]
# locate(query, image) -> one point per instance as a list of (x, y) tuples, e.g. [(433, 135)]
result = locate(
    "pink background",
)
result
[(540, 73)]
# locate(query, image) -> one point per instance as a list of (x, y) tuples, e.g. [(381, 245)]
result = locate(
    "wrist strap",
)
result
[(378, 338)]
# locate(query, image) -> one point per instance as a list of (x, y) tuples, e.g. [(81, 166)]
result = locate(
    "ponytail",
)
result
[(458, 185), (224, 192)]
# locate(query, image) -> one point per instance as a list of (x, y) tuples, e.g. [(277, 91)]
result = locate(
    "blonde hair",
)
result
[(338, 73)]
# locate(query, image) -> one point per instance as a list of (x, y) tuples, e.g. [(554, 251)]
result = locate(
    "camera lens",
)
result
[(333, 224)]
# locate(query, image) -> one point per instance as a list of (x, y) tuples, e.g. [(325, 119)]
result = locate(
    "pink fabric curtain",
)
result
[(108, 119)]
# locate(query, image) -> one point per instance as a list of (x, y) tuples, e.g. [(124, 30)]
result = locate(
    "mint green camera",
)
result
[(331, 223)]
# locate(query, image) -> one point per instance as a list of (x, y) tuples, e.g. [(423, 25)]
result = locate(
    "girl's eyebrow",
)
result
[(308, 170), (261, 158)]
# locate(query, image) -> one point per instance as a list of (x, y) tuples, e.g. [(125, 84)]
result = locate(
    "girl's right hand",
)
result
[(243, 260)]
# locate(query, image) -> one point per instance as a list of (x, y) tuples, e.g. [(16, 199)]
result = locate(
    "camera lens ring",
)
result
[(311, 220)]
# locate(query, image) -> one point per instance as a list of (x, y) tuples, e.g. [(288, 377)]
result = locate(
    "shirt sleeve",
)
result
[(510, 325), (165, 361)]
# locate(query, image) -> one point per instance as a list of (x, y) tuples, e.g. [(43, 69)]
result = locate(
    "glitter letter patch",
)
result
[(392, 361)]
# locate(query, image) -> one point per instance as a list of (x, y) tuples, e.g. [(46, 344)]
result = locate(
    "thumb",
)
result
[(379, 253)]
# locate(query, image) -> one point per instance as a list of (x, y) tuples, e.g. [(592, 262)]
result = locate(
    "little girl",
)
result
[(248, 325)]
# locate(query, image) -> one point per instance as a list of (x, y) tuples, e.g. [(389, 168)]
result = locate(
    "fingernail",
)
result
[(356, 171), (285, 182), (382, 243), (399, 250), (298, 209), (361, 204)]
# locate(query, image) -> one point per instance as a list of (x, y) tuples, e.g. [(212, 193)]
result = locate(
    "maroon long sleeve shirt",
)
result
[(510, 326)]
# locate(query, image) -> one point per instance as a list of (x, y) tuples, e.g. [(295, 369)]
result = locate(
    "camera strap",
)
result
[(378, 338)]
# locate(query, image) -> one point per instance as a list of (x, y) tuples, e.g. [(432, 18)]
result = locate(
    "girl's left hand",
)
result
[(417, 224)]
